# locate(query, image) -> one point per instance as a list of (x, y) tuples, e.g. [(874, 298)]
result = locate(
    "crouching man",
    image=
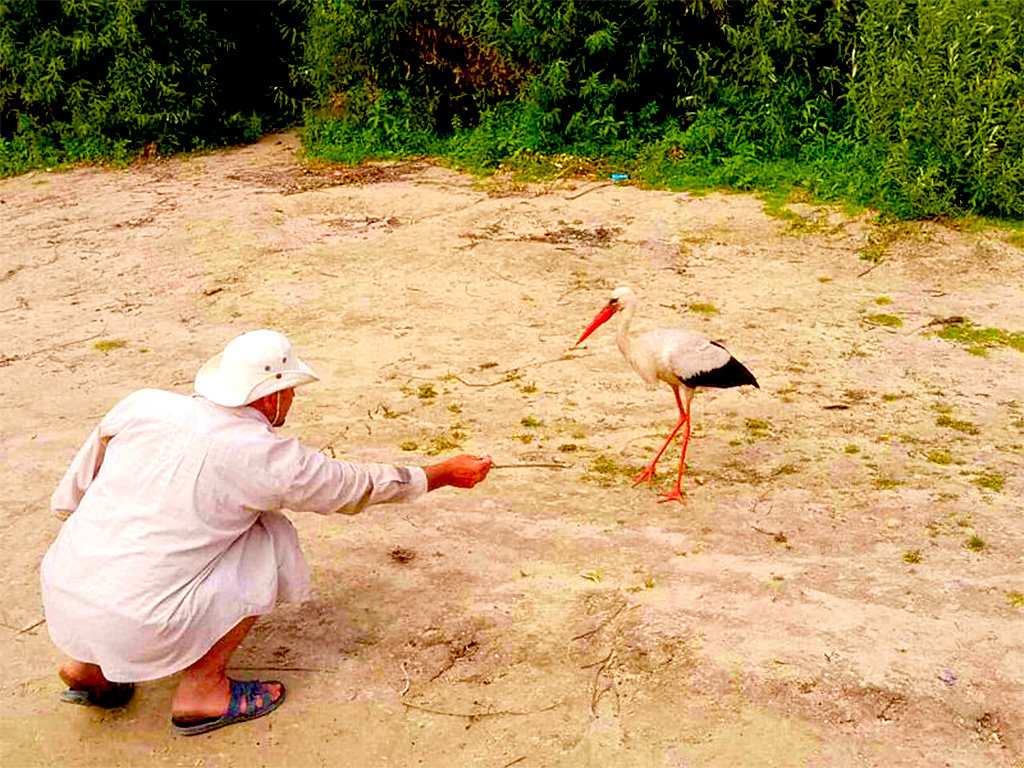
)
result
[(174, 543)]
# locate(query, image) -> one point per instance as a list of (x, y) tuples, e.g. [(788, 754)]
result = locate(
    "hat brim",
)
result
[(211, 384)]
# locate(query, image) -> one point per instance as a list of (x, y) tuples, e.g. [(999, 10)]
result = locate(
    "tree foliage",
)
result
[(915, 106), (95, 79)]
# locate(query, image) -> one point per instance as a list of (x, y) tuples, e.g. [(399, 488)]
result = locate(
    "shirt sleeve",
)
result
[(86, 464), (312, 482), (79, 475)]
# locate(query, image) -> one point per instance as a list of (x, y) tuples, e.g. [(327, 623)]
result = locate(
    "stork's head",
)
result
[(621, 298)]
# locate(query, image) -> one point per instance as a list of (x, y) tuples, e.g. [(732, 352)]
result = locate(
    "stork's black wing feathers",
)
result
[(732, 374)]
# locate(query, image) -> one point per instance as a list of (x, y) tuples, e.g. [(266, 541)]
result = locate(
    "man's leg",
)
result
[(81, 676), (204, 690)]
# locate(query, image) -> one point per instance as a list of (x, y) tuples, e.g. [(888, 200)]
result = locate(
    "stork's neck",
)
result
[(622, 340)]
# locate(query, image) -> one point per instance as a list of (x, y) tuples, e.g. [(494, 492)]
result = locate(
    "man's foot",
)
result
[(87, 685), (248, 699)]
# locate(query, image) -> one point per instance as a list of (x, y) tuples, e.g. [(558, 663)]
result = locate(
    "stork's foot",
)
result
[(644, 476), (675, 494)]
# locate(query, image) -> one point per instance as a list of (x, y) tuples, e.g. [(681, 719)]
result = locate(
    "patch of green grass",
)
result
[(874, 253), (786, 469), (851, 449), (887, 483), (990, 481), (604, 465), (938, 457), (409, 445), (524, 437), (883, 301), (707, 310), (758, 427), (530, 422), (977, 339), (889, 321), (975, 544), (946, 420), (426, 392), (888, 397), (1015, 599), (608, 467), (912, 556), (108, 344), (1016, 239), (568, 447), (447, 441), (528, 389)]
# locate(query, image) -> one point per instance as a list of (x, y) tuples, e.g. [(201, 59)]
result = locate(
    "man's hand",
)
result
[(463, 471)]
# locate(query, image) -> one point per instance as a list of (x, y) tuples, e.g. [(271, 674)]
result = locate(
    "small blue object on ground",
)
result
[(619, 176)]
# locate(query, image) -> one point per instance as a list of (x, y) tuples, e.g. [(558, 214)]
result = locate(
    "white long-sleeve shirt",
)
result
[(173, 532)]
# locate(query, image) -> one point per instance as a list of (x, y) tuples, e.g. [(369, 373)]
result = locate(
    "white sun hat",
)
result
[(252, 365)]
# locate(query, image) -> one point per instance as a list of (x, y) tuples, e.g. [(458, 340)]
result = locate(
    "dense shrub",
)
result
[(914, 106), (82, 80)]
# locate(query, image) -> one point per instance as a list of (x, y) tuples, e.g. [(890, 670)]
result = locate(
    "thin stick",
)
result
[(531, 464), (478, 715), (30, 627), (876, 264), (282, 669), (600, 626), (588, 189), (51, 348)]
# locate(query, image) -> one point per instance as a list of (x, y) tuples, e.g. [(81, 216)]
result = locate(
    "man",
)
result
[(174, 543)]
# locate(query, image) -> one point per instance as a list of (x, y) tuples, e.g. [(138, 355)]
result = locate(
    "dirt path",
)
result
[(552, 617)]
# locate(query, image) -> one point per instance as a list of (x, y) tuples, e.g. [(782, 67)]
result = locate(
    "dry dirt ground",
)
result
[(554, 616)]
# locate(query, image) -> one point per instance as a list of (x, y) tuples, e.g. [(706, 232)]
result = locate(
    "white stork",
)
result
[(681, 359)]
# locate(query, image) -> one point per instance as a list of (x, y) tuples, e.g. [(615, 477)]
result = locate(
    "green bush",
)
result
[(913, 106), (90, 80)]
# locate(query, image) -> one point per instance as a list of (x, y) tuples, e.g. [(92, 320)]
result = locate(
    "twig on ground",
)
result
[(33, 353), (503, 277), (407, 681), (30, 627), (778, 536), (600, 626), (474, 716), (282, 669), (329, 445), (589, 189), (471, 384), (595, 694), (876, 264)]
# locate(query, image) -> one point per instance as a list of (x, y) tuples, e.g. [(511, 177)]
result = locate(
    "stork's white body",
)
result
[(671, 355)]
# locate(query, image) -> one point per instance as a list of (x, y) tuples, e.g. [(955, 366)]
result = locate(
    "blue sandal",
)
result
[(117, 695), (250, 691)]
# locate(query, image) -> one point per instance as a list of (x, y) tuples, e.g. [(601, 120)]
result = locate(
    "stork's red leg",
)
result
[(676, 493), (648, 471)]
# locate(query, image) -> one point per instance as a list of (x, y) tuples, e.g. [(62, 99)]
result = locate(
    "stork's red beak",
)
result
[(600, 319)]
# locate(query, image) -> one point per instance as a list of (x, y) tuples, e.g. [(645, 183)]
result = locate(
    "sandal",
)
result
[(117, 695), (250, 691)]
